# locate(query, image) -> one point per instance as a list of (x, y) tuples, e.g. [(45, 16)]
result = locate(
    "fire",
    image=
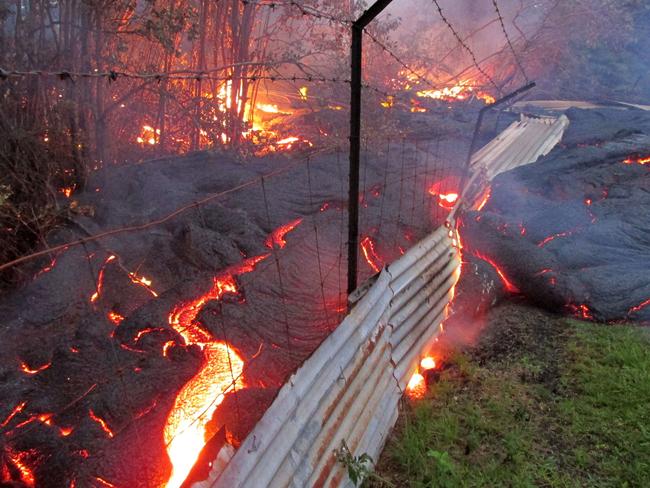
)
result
[(368, 249), (277, 236), (102, 423), (463, 90), (637, 160), (185, 430), (416, 387), (428, 363), (447, 200), (67, 191), (509, 286), (303, 92), (148, 135), (31, 371)]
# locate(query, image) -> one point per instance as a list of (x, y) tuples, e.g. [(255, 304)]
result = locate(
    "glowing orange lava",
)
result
[(144, 282), (641, 305), (637, 160), (548, 239), (485, 199), (100, 279), (115, 317), (102, 423), (581, 311), (277, 236), (368, 249), (26, 474), (185, 431), (447, 200), (31, 371), (509, 286), (17, 409)]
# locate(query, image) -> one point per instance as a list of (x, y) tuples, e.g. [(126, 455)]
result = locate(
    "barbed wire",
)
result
[(304, 10), (465, 46), (505, 33)]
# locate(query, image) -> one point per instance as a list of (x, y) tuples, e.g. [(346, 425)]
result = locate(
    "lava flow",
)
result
[(637, 160), (509, 286), (368, 249), (185, 430)]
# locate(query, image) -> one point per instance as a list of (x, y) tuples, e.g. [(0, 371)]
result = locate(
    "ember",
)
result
[(368, 249)]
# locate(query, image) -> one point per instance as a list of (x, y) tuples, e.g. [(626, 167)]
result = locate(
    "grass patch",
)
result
[(572, 411)]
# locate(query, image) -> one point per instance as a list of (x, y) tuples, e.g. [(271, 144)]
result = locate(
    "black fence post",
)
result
[(355, 136)]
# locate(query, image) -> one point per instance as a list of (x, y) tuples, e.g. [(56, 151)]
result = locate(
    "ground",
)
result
[(540, 400)]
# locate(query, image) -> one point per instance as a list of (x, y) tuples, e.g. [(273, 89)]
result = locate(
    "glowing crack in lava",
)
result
[(447, 200), (185, 430), (368, 249), (277, 236), (637, 160), (509, 286), (638, 307)]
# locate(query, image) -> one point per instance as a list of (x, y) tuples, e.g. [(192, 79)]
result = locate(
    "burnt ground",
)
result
[(537, 400)]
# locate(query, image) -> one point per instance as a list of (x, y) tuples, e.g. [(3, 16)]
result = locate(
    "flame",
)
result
[(486, 97), (416, 387), (303, 92), (460, 91), (277, 236), (428, 363), (102, 423), (67, 191), (509, 286), (31, 371), (388, 103), (368, 249), (637, 160), (185, 430), (148, 135)]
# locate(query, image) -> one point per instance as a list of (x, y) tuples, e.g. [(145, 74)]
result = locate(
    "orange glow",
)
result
[(100, 279), (277, 236), (581, 311), (303, 92), (67, 191), (185, 431), (447, 200), (637, 160), (30, 371), (105, 483), (17, 409), (148, 136), (115, 317), (416, 387), (102, 423), (166, 347), (509, 286), (486, 97), (548, 239), (428, 363), (368, 249), (640, 306), (144, 282), (486, 197), (26, 474)]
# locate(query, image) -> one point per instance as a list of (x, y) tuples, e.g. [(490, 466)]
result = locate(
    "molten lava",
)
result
[(641, 305), (31, 371), (277, 236), (185, 431), (368, 249), (100, 279), (637, 160), (447, 200), (509, 286), (102, 423)]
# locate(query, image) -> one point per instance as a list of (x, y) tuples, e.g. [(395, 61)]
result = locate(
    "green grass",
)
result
[(575, 412)]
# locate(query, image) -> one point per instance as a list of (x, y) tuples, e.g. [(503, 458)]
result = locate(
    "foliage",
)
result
[(525, 422)]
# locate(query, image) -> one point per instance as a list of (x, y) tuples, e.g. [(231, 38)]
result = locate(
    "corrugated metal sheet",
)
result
[(350, 387)]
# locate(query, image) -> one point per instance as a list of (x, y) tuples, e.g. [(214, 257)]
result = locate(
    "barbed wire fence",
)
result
[(410, 177)]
